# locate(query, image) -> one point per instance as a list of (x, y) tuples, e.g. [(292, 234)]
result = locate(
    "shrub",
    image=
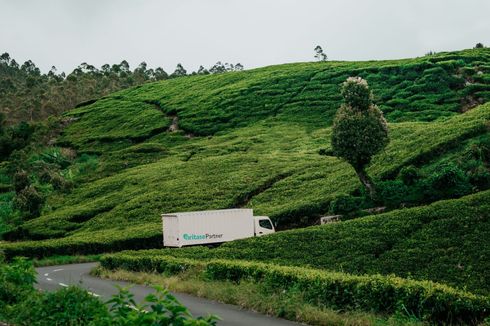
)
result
[(49, 174), (29, 200), (409, 175), (375, 293), (480, 150), (345, 204), (160, 308), (86, 163), (21, 304), (75, 306), (20, 181), (169, 265), (15, 138), (479, 177), (60, 183), (16, 281), (448, 181), (43, 172), (383, 294), (393, 193), (58, 157), (68, 306), (7, 212), (145, 236)]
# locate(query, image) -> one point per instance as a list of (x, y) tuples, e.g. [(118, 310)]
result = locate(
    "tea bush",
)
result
[(293, 184), (386, 294), (409, 175), (147, 236), (167, 265), (449, 181), (441, 242), (345, 204), (374, 293), (393, 193)]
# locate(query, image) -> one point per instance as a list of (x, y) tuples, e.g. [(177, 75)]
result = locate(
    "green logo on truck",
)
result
[(202, 236)]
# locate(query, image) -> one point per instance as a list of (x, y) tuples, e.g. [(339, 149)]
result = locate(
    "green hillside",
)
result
[(443, 242), (258, 138)]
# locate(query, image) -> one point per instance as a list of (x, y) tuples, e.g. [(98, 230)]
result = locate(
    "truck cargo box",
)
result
[(207, 227)]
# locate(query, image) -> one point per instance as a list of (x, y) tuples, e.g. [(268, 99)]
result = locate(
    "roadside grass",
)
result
[(64, 260), (256, 297)]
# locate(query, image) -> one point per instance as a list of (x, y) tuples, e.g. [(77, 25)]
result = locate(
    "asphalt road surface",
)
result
[(54, 277)]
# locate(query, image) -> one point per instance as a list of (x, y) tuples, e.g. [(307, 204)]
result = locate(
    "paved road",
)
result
[(54, 277)]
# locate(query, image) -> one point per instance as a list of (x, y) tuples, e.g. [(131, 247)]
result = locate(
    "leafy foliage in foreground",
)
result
[(68, 306), (21, 304), (443, 242), (160, 308), (16, 281), (374, 293)]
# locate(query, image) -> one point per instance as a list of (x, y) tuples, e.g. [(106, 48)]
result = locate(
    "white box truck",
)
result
[(211, 227)]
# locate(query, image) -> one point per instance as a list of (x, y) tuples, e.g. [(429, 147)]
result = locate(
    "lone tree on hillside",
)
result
[(359, 129), (319, 54)]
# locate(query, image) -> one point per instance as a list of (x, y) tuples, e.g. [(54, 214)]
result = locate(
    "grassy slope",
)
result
[(441, 242), (301, 181), (265, 128)]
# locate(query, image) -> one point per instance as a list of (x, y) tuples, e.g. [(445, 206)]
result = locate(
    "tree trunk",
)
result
[(366, 181)]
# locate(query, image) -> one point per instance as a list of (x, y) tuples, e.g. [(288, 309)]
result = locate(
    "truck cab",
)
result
[(263, 226)]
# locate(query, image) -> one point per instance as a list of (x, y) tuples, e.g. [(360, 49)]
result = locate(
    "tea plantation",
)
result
[(261, 139), (443, 242)]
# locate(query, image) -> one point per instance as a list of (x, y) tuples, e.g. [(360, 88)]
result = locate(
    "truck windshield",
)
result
[(266, 224)]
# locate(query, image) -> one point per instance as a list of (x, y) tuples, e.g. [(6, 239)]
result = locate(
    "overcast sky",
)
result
[(254, 32)]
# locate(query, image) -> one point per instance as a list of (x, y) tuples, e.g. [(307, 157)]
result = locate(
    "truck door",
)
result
[(171, 231), (263, 226)]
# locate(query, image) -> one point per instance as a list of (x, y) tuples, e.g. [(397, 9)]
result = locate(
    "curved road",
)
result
[(54, 277)]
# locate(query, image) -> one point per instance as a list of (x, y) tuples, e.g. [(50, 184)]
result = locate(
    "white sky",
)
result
[(254, 32)]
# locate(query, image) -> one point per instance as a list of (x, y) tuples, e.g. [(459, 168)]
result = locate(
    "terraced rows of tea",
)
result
[(257, 138)]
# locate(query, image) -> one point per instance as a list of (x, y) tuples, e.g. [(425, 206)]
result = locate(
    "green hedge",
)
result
[(385, 294), (444, 242), (145, 237), (167, 265), (373, 293)]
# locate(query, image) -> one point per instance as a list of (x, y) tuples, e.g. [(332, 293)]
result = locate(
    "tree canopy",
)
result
[(26, 94), (359, 130)]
